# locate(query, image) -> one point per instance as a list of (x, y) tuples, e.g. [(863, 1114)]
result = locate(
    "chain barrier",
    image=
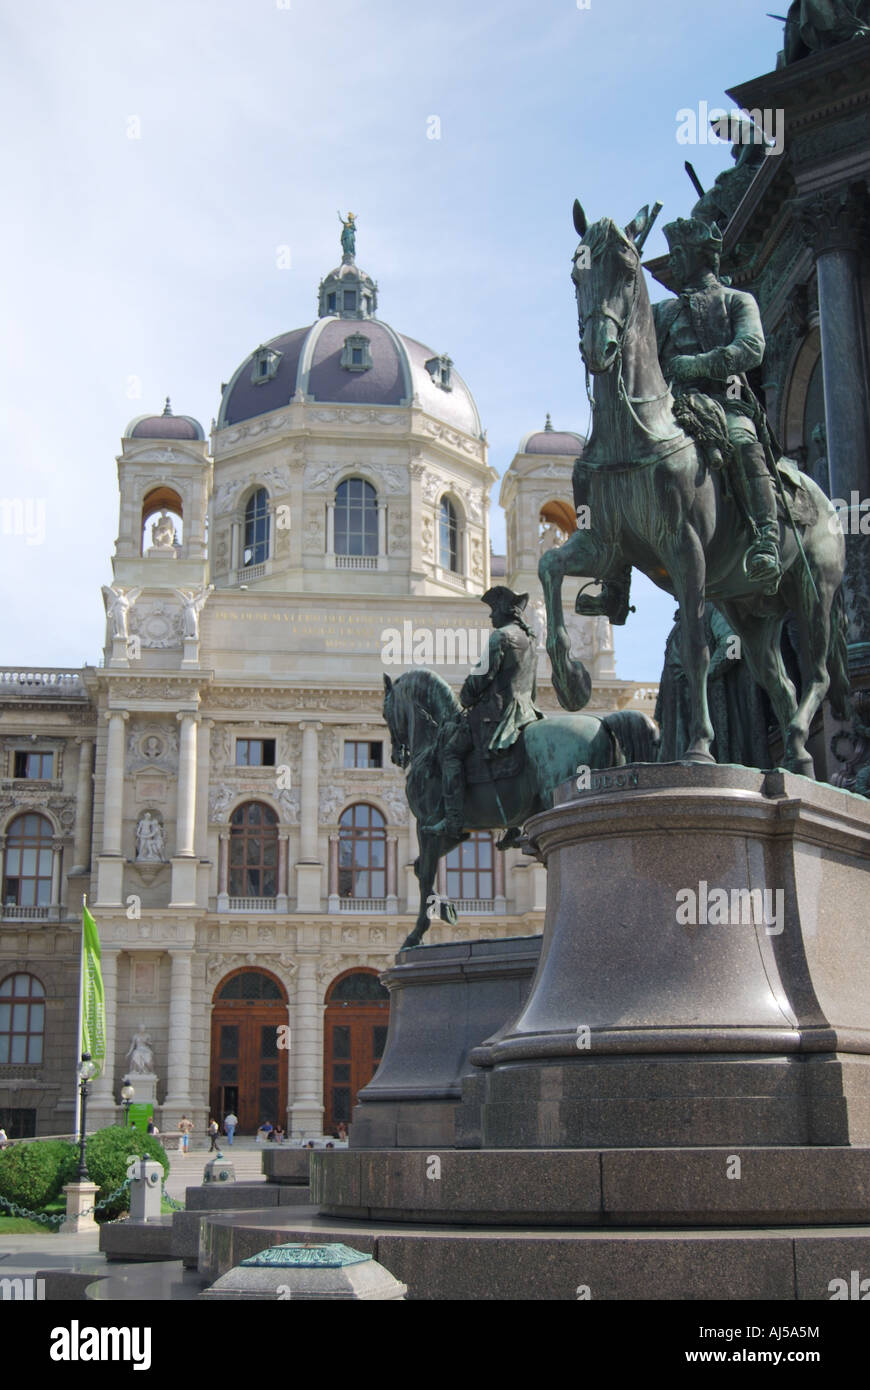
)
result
[(46, 1220)]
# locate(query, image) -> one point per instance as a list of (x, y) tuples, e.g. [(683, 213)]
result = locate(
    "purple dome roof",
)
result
[(550, 441), (165, 426), (310, 362)]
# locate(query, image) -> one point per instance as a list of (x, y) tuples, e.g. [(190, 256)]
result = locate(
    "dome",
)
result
[(348, 357), (550, 441), (165, 426)]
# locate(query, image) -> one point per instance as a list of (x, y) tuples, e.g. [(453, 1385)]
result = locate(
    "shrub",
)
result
[(32, 1174), (107, 1154)]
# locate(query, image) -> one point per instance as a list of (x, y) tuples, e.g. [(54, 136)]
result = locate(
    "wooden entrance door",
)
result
[(248, 1064), (357, 1017)]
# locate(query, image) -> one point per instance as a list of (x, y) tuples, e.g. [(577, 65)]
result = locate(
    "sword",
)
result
[(699, 187), (786, 506)]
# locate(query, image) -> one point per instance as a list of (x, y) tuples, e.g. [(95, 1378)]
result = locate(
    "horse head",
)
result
[(606, 275), (396, 720)]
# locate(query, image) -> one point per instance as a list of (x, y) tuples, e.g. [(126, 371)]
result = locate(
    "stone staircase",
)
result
[(187, 1171)]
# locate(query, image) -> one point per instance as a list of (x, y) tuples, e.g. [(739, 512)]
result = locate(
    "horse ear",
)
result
[(638, 224), (388, 684), (580, 223)]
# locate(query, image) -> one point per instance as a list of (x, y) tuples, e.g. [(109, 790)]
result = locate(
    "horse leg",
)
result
[(687, 568), (814, 629), (760, 639), (426, 867), (571, 681)]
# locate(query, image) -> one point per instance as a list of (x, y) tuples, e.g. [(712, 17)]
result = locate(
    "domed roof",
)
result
[(348, 357), (165, 426), (550, 441)]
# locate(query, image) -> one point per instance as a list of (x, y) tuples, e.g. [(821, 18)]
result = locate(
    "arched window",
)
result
[(256, 548), (448, 536), (253, 851), (27, 881), (360, 986), (470, 867), (251, 984), (162, 520), (22, 1019), (356, 518), (362, 853)]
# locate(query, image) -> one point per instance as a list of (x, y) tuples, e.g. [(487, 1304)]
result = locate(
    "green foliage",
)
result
[(32, 1174), (107, 1155)]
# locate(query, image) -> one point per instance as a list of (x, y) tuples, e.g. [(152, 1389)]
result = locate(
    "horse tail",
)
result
[(838, 659), (636, 735)]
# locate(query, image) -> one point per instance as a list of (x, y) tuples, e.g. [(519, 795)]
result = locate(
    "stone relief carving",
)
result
[(431, 485), (152, 746), (150, 840), (457, 441), (314, 528), (399, 531), (396, 800), (157, 624), (331, 965), (328, 749), (288, 800), (476, 559), (331, 798), (219, 799), (428, 537)]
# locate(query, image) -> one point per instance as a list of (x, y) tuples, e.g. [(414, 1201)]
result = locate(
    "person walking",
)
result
[(4, 1142), (230, 1122), (214, 1130), (185, 1126)]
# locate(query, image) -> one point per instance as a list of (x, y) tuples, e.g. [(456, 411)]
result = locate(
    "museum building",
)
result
[(220, 785)]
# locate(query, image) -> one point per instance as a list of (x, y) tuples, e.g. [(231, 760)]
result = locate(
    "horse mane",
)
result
[(600, 233), (428, 689)]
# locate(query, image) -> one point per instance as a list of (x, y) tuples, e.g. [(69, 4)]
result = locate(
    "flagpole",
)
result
[(78, 1089)]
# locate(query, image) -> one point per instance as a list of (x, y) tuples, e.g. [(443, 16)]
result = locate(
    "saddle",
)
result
[(703, 418), (510, 762)]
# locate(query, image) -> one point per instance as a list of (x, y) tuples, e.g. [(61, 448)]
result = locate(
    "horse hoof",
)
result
[(412, 940), (702, 759)]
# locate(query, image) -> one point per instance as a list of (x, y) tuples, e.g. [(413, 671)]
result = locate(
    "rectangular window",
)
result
[(356, 356), (350, 299), (363, 754), (39, 766), (255, 752), (330, 303)]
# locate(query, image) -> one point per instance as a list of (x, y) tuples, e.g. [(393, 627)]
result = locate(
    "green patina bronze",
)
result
[(814, 25), (348, 235), (680, 480), (333, 1256)]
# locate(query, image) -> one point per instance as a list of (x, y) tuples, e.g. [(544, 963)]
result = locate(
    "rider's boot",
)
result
[(453, 782), (611, 603), (762, 561)]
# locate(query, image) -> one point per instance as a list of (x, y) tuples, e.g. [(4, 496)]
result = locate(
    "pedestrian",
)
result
[(185, 1126), (4, 1142), (214, 1130), (151, 1128), (341, 1132), (230, 1122)]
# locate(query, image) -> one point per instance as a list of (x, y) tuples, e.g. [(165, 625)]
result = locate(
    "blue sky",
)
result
[(153, 259)]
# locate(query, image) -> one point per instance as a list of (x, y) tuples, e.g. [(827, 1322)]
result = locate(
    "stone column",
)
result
[(392, 867), (306, 1112), (84, 807), (113, 801), (382, 529), (56, 857), (223, 899), (2, 867), (835, 225), (110, 865), (498, 876), (180, 1008), (330, 528), (203, 755), (283, 843), (333, 873), (103, 1098), (234, 545), (183, 862), (308, 869)]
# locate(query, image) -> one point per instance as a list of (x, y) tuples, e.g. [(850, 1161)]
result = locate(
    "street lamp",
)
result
[(86, 1070), (127, 1094)]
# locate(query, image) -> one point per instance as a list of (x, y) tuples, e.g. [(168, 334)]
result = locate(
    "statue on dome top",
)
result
[(348, 235), (815, 25)]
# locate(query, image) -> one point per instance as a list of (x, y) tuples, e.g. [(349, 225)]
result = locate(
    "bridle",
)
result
[(622, 327)]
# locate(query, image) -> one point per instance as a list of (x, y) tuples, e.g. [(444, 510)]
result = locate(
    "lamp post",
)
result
[(86, 1071), (127, 1094)]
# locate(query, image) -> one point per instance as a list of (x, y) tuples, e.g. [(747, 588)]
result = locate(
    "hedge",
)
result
[(32, 1174), (107, 1155)]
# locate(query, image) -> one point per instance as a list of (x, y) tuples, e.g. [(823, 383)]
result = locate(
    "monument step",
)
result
[(739, 1186), (501, 1264)]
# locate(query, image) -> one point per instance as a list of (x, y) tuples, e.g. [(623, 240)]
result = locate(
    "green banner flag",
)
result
[(93, 1000)]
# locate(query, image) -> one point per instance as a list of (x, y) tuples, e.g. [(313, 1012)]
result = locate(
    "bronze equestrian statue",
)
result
[(671, 483)]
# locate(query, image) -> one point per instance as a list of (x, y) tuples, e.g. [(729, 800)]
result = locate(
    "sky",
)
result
[(159, 157)]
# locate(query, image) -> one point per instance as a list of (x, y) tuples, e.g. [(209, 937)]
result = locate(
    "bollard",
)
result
[(219, 1169), (305, 1272), (146, 1190)]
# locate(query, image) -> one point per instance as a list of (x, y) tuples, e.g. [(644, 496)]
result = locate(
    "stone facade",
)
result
[(220, 638)]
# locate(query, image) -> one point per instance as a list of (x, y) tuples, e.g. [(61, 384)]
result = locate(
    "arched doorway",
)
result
[(248, 1063), (355, 1035)]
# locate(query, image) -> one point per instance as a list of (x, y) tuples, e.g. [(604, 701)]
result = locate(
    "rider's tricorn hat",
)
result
[(691, 232), (500, 596)]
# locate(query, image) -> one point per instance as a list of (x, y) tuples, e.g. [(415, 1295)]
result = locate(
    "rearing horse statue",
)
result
[(650, 501)]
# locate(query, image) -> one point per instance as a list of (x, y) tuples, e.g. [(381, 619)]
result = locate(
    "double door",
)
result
[(248, 1066), (354, 1041)]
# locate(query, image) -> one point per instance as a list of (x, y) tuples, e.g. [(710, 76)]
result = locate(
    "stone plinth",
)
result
[(650, 1021), (304, 1271), (444, 1001), (80, 1199)]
